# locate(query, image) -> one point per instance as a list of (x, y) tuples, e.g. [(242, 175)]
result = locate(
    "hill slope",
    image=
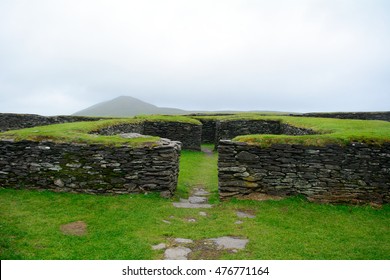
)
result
[(126, 106)]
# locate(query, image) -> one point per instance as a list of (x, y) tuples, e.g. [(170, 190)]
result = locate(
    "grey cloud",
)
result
[(57, 57)]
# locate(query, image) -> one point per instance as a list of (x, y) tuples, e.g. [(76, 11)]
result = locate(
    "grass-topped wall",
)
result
[(267, 130), (345, 161), (107, 131), (72, 158)]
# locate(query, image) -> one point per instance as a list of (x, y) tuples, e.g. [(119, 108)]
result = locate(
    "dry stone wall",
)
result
[(187, 133), (357, 173), (18, 121), (381, 116), (208, 131), (232, 128), (95, 169)]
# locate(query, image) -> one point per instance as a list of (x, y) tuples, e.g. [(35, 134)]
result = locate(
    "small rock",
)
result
[(201, 213), (239, 222), (197, 199), (59, 183), (191, 220), (187, 204), (201, 192), (183, 240), (165, 221), (177, 253), (245, 215), (159, 246), (227, 242)]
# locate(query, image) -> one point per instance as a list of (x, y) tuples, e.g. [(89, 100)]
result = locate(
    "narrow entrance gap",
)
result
[(198, 172)]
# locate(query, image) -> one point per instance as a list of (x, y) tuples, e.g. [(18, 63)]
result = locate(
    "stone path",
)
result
[(197, 200), (212, 248), (184, 249)]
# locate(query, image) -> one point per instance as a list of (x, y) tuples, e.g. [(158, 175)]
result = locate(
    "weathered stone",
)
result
[(160, 246), (187, 204), (177, 253), (245, 156), (227, 242), (241, 214), (197, 199), (59, 183), (183, 240)]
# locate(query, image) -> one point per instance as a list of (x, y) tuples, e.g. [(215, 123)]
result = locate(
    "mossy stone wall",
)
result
[(95, 169), (19, 121), (356, 173), (231, 128)]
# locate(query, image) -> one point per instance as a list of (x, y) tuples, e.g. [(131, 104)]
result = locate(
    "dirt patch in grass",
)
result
[(204, 250), (78, 228)]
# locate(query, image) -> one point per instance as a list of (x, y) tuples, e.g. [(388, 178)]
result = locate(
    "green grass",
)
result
[(125, 227), (198, 170), (78, 132), (168, 118)]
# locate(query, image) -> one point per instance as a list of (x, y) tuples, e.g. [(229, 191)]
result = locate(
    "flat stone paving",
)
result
[(177, 253), (181, 248), (197, 200), (178, 249), (226, 242)]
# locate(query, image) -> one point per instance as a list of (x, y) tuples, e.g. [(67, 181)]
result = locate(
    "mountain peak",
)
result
[(125, 106)]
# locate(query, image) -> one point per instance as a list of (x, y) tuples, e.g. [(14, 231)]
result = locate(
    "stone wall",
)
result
[(231, 128), (357, 173), (121, 128), (188, 134), (381, 116), (18, 121), (95, 169), (208, 131)]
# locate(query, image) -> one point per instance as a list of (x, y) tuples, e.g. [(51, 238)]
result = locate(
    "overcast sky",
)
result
[(58, 57)]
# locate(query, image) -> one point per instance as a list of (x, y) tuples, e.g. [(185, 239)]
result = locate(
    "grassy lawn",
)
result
[(125, 227)]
